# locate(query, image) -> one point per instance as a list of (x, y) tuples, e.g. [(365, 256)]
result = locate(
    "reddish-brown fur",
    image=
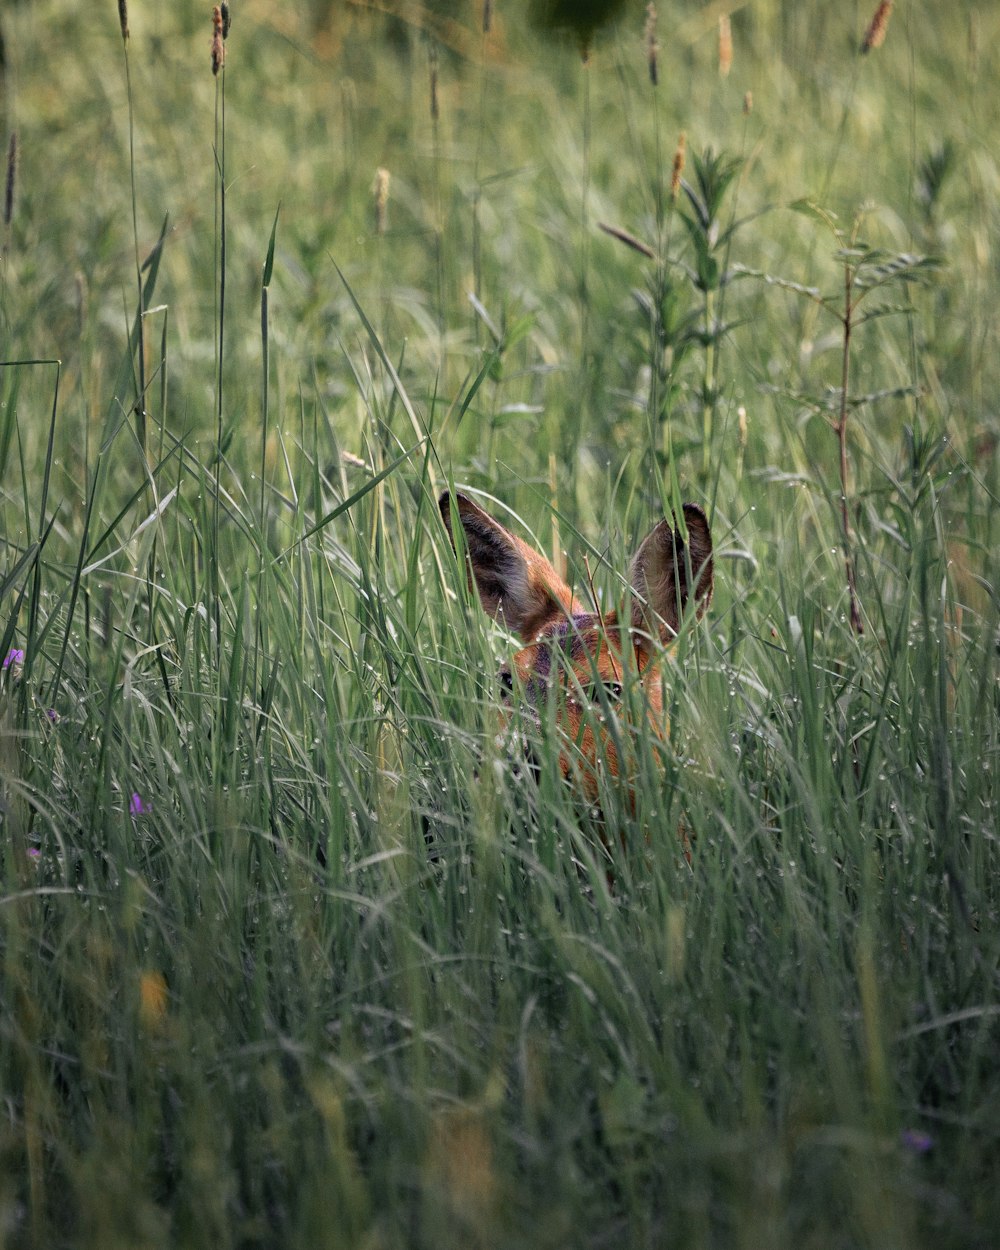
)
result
[(569, 651)]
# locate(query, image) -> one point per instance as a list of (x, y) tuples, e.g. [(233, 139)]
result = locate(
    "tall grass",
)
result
[(293, 948)]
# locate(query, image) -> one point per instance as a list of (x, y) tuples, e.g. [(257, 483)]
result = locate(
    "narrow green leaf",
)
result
[(351, 500), (809, 208), (269, 259)]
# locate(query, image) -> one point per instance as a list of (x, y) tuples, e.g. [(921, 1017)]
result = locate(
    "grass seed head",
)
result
[(675, 177), (218, 43), (875, 34), (226, 20), (652, 44), (747, 103), (725, 45), (380, 194), (123, 17), (8, 200), (487, 16), (630, 240)]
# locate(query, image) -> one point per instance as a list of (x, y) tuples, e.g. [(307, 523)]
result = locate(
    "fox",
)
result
[(586, 659)]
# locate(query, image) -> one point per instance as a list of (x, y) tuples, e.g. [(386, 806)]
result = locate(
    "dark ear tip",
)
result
[(446, 499), (695, 512), (695, 518), (699, 532), (446, 502), (700, 547)]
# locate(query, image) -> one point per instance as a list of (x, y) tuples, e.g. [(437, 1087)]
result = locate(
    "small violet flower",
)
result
[(137, 806), (13, 657), (915, 1141)]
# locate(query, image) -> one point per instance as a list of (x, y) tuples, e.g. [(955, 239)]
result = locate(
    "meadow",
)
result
[(292, 950)]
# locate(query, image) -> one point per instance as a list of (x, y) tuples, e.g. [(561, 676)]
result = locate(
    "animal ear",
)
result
[(516, 585), (666, 572)]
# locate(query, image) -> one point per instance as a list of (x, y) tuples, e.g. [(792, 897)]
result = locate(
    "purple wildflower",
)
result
[(14, 656), (916, 1141), (137, 806)]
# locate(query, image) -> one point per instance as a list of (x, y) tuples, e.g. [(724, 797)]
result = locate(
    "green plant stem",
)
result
[(140, 399), (435, 111), (708, 386), (220, 167), (584, 225), (845, 514)]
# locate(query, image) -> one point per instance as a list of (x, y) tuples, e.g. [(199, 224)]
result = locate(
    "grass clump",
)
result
[(292, 949)]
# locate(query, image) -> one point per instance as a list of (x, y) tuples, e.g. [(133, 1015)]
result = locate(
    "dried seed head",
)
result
[(380, 195), (741, 424), (725, 45), (747, 104), (875, 34), (629, 240), (652, 44), (675, 177), (8, 202), (123, 17), (487, 16), (227, 20), (218, 44)]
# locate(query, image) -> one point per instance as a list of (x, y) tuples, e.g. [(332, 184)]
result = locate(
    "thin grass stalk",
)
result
[(152, 597), (265, 403), (264, 410), (845, 513), (10, 182), (34, 599), (96, 483), (435, 112), (708, 384), (10, 185), (653, 60), (584, 230), (219, 71), (662, 238), (665, 214), (723, 289), (477, 258), (140, 398)]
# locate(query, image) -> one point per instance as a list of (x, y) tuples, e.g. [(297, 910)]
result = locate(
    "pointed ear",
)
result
[(516, 585), (666, 572)]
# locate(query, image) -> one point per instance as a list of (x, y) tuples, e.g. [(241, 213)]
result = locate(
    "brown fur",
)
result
[(572, 649)]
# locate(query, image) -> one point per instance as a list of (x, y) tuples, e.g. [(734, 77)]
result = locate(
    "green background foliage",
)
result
[(293, 951)]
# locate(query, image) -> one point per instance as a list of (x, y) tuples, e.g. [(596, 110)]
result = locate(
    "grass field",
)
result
[(293, 953)]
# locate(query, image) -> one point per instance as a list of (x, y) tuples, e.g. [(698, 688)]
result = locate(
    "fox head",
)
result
[(585, 659)]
